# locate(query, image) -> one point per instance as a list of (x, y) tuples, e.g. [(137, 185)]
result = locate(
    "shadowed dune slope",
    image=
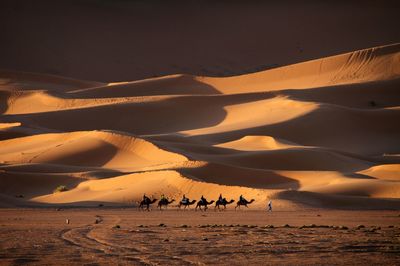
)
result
[(322, 133), (91, 149)]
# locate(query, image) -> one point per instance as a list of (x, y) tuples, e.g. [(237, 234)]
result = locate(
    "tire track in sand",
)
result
[(88, 237)]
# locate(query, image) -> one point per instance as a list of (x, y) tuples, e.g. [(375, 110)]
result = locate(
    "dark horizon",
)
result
[(129, 40)]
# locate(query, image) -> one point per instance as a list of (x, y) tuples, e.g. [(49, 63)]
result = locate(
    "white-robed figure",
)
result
[(270, 205)]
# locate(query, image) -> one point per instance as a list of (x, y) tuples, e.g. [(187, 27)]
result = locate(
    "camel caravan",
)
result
[(185, 203)]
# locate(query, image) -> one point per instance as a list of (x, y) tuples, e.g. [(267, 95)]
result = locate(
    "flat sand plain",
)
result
[(247, 237)]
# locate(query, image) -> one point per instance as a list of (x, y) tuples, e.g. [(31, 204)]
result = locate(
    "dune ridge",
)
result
[(319, 133), (378, 63)]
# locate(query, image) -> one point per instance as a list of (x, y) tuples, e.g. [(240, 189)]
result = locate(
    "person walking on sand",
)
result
[(270, 205)]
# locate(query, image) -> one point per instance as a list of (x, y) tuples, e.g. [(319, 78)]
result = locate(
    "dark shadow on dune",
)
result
[(156, 117), (174, 85), (3, 101), (370, 95), (20, 131), (358, 176), (33, 180), (12, 202), (330, 201), (289, 159), (193, 150), (31, 185), (92, 157), (238, 176), (5, 135), (98, 172), (369, 133), (315, 159)]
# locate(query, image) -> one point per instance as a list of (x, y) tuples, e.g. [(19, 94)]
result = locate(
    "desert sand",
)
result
[(103, 101), (322, 133), (124, 236)]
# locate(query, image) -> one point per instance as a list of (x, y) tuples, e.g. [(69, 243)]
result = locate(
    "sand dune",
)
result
[(168, 85), (124, 188), (319, 133), (256, 143), (93, 149), (385, 172), (336, 183), (353, 130), (380, 63)]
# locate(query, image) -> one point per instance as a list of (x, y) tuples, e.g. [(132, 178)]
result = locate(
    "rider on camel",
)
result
[(241, 198), (145, 198), (203, 199), (184, 199)]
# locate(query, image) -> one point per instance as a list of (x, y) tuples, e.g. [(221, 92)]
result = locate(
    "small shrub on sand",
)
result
[(60, 189)]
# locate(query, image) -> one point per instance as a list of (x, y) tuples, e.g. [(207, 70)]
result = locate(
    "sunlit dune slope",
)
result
[(255, 143), (380, 63)]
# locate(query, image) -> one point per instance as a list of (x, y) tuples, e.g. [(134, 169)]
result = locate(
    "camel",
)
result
[(186, 204), (222, 202), (146, 203), (203, 203), (164, 202), (244, 203)]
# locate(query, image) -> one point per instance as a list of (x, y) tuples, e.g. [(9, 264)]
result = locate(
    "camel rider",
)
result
[(220, 199), (162, 197), (241, 198), (203, 199), (145, 198), (184, 199)]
